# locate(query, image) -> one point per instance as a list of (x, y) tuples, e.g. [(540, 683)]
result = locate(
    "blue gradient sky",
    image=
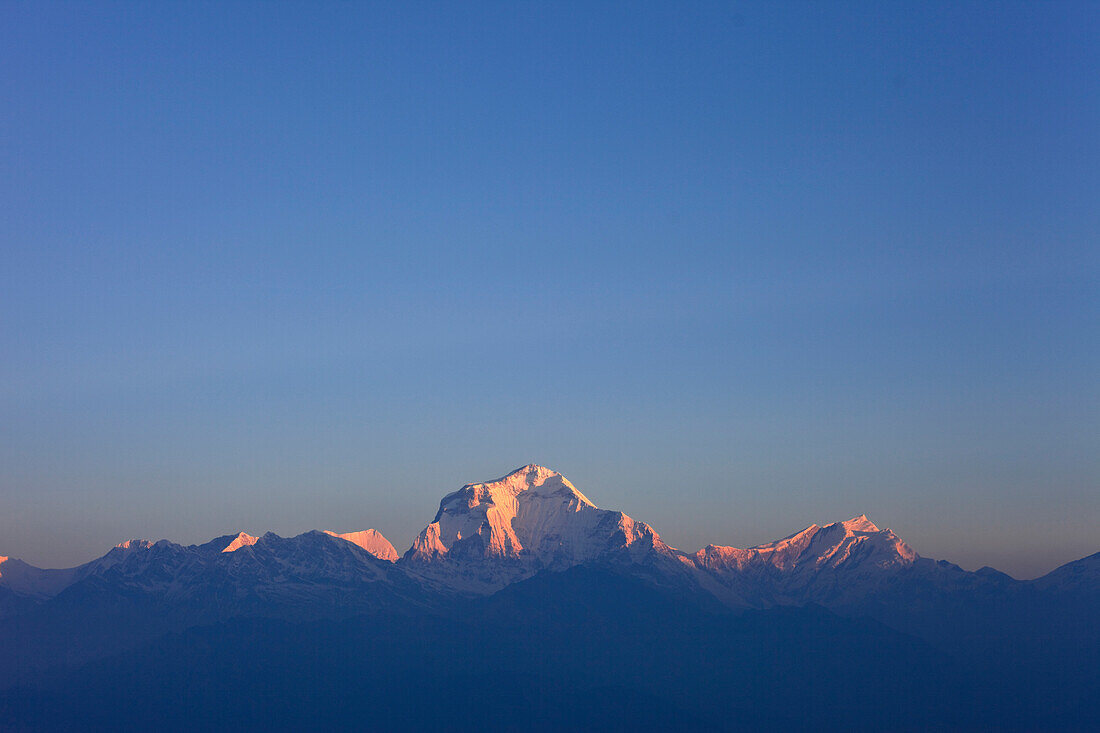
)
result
[(732, 269)]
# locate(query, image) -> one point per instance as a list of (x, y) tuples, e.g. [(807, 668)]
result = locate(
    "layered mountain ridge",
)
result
[(488, 535), (505, 562)]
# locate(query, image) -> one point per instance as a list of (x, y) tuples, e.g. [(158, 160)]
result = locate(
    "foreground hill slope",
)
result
[(556, 651), (579, 649)]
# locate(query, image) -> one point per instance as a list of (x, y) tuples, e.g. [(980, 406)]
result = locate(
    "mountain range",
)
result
[(499, 554)]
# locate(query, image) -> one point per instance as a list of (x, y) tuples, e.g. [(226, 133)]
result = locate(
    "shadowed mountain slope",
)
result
[(525, 605)]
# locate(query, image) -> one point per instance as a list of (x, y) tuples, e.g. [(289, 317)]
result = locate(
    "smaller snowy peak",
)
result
[(241, 540), (134, 545), (370, 540), (841, 543), (858, 540)]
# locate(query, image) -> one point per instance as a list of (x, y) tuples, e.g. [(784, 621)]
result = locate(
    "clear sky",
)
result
[(731, 268)]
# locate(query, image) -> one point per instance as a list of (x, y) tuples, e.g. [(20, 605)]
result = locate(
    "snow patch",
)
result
[(370, 540), (241, 540)]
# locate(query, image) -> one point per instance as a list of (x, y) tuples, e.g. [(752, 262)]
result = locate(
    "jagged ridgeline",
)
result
[(525, 578), (484, 537)]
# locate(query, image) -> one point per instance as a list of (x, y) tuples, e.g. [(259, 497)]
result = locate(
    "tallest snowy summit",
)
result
[(532, 511)]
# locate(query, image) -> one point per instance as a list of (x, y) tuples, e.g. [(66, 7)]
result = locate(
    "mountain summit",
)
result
[(526, 569), (489, 518), (370, 540), (857, 539), (492, 533)]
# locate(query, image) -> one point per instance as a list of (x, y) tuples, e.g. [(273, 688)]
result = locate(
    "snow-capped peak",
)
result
[(135, 544), (533, 515), (370, 540), (530, 478), (860, 524), (241, 540), (856, 540)]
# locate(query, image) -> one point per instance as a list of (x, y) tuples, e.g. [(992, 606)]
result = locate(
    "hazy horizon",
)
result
[(731, 270)]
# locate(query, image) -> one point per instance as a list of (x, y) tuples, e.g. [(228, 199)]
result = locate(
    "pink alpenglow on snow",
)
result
[(370, 540), (532, 512), (241, 540), (818, 547)]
